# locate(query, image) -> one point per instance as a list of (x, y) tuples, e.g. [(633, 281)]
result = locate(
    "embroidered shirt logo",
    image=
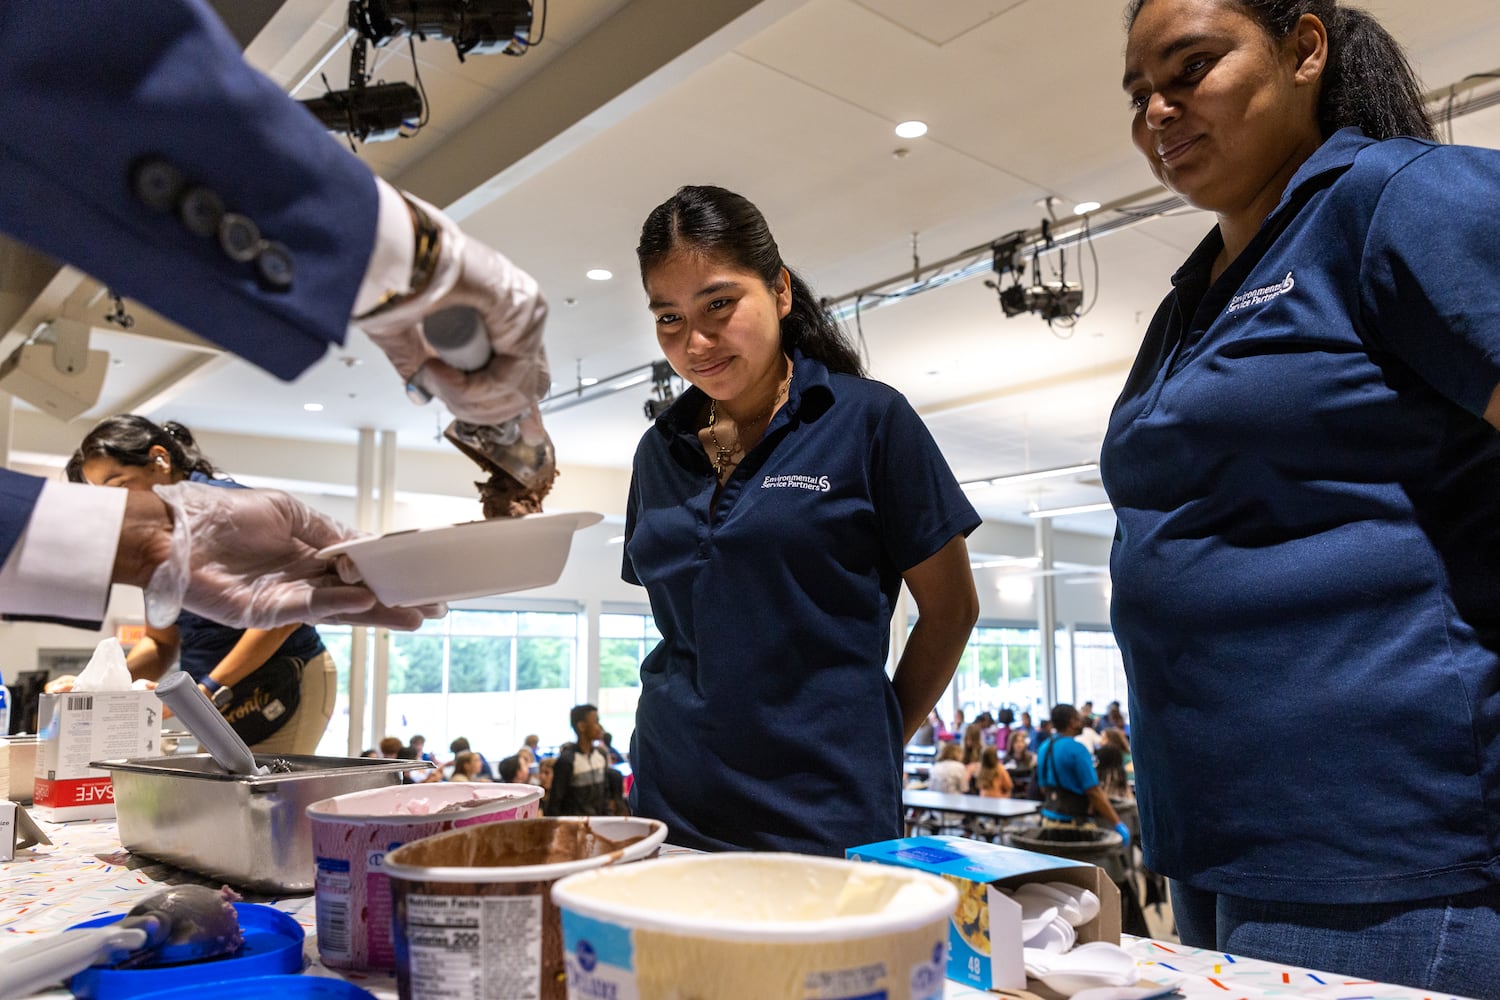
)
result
[(818, 484), (1260, 296)]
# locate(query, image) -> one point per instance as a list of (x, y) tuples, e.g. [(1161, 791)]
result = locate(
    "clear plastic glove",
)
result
[(468, 273), (247, 558)]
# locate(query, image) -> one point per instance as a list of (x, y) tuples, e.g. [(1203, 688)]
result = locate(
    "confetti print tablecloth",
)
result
[(85, 874)]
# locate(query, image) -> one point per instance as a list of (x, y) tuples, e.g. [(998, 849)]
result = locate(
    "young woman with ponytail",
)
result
[(1306, 472), (276, 687), (775, 510)]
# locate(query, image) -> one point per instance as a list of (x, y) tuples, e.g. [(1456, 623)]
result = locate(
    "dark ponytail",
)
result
[(128, 439), (728, 228), (1368, 81)]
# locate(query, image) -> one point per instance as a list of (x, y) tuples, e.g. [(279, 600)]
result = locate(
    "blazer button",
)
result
[(239, 237), (201, 210), (274, 266), (156, 183)]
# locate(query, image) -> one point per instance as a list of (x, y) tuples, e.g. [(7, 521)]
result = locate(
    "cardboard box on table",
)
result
[(82, 726), (984, 936)]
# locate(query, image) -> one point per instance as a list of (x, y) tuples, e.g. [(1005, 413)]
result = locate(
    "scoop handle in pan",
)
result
[(181, 694)]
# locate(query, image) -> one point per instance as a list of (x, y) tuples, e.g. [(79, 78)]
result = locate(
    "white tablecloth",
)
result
[(85, 873)]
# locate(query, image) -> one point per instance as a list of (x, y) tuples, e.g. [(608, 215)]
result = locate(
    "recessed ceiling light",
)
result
[(313, 407), (1085, 207), (911, 129), (587, 381), (599, 274)]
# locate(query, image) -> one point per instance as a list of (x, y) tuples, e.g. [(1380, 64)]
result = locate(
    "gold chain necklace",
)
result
[(723, 456)]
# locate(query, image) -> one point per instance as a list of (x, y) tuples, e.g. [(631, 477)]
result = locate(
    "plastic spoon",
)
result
[(1036, 915), (1088, 966), (181, 694), (1088, 903), (182, 924), (1066, 905)]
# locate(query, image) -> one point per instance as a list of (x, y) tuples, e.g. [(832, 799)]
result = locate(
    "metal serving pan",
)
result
[(251, 831)]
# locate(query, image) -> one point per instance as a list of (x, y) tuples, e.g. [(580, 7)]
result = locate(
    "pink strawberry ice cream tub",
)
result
[(352, 835)]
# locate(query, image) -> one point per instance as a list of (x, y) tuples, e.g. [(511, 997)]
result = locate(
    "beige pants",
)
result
[(320, 687)]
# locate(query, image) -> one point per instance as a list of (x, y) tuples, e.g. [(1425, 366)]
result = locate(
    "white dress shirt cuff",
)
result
[(62, 563), (391, 259)]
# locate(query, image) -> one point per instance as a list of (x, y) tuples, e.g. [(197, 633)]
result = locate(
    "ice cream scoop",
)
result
[(182, 924)]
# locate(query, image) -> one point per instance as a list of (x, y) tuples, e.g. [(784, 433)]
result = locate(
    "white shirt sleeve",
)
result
[(62, 563), (391, 258)]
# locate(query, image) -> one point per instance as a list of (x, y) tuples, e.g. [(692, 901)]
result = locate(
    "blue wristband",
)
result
[(209, 684)]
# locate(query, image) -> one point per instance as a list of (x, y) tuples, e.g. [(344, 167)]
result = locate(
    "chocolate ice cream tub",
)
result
[(473, 912), (351, 836)]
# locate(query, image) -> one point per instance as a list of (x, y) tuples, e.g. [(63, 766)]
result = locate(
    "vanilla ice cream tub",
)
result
[(751, 926), (353, 833)]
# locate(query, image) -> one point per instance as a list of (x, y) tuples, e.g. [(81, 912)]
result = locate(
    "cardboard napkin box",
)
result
[(984, 935), (17, 831), (82, 726)]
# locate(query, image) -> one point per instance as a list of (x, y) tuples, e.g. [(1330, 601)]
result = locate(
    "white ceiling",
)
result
[(556, 157)]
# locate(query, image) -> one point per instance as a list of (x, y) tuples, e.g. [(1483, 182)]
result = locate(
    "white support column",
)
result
[(1046, 609), (898, 632), (587, 686), (361, 734), (381, 675)]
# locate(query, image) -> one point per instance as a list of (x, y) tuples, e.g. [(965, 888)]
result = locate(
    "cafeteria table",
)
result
[(84, 873)]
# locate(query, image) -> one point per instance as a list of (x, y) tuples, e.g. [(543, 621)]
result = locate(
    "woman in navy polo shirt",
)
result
[(276, 687), (775, 510), (1306, 473)]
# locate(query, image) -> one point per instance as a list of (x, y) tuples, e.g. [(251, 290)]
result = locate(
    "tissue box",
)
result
[(984, 936), (79, 727)]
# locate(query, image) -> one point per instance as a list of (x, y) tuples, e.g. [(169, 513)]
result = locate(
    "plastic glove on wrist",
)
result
[(469, 273), (1124, 832), (247, 559)]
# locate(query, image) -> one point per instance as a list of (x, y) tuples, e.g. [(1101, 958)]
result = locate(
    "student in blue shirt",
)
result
[(1306, 474), (775, 511)]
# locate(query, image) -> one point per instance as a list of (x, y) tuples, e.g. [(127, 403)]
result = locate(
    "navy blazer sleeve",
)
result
[(95, 88), (18, 495)]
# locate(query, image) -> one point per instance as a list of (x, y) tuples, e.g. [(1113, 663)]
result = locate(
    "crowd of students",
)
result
[(578, 778)]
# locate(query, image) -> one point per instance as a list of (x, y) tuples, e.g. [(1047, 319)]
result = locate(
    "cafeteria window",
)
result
[(492, 676), (1001, 667), (1099, 669), (624, 641)]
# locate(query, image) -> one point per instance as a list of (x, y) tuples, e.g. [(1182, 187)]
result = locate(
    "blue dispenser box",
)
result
[(984, 935)]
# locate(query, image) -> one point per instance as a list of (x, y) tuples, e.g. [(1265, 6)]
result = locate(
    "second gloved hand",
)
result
[(247, 559), (468, 273), (1124, 832)]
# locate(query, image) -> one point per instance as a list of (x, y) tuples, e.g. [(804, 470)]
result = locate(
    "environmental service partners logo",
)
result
[(1260, 296), (818, 484)]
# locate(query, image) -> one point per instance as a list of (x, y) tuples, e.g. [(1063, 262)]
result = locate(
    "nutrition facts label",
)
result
[(474, 947)]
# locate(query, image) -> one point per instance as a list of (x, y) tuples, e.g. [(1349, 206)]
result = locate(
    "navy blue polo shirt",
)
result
[(766, 720), (206, 642), (1307, 560)]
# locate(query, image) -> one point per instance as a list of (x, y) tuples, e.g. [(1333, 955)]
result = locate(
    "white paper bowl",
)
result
[(472, 559)]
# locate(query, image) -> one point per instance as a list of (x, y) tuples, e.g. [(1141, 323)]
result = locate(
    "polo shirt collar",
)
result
[(1334, 156), (810, 387)]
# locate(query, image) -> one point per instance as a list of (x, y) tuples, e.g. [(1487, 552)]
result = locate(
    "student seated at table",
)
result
[(1018, 756), (466, 767), (973, 751), (948, 774), (992, 781)]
